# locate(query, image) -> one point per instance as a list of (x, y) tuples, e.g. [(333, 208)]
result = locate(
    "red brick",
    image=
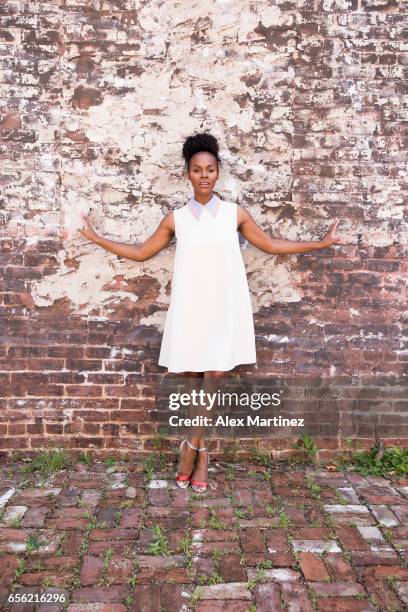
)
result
[(389, 571), (351, 538), (209, 605), (295, 597), (207, 548), (339, 569), (267, 598), (374, 558), (174, 596), (8, 565), (146, 597), (92, 570), (231, 569), (252, 541), (312, 567), (343, 604), (103, 594), (382, 595)]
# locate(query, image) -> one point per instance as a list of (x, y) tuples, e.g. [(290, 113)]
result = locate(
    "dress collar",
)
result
[(197, 208)]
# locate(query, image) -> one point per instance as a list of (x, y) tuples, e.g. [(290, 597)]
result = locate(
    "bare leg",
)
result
[(188, 455), (212, 379)]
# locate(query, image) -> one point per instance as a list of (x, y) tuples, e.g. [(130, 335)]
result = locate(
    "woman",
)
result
[(209, 324)]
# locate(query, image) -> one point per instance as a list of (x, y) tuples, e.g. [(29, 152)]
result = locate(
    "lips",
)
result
[(204, 184)]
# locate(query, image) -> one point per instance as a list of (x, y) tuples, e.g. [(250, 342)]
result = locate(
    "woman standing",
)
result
[(209, 324)]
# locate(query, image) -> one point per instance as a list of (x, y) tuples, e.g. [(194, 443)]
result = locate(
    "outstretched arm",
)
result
[(277, 246), (157, 241)]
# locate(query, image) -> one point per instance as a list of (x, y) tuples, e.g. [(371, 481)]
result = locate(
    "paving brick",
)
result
[(214, 535), (6, 495), (252, 541), (345, 604), (97, 607), (130, 518), (222, 606), (295, 597), (91, 570), (402, 590), (159, 497), (232, 590), (120, 569), (310, 533), (103, 594), (174, 596), (349, 494), (34, 517), (146, 597), (346, 509), (208, 548), (374, 558), (391, 571), (267, 598), (338, 568), (277, 559), (337, 589), (114, 534), (351, 539), (401, 512), (231, 569), (312, 567), (375, 539), (283, 575), (356, 564), (382, 595), (277, 540), (203, 566), (8, 566), (316, 546)]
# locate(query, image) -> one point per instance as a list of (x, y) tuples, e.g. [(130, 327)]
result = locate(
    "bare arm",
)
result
[(277, 246), (157, 241)]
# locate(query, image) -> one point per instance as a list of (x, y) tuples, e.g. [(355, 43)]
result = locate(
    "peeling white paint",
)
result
[(268, 282), (149, 124), (278, 339)]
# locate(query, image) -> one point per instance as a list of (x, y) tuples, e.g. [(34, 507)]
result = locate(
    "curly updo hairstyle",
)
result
[(200, 142)]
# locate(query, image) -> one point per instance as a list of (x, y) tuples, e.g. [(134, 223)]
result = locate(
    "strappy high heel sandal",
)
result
[(200, 486), (183, 480)]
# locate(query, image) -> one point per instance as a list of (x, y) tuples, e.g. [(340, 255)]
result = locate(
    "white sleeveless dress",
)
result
[(209, 324)]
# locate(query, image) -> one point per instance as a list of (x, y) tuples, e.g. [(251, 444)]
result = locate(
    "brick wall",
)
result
[(308, 101)]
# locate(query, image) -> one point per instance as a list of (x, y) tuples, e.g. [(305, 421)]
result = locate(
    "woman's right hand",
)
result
[(88, 231)]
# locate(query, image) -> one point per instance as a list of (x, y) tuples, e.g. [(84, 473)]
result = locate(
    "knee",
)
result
[(213, 374)]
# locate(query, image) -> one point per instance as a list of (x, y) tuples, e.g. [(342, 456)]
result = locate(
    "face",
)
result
[(203, 172)]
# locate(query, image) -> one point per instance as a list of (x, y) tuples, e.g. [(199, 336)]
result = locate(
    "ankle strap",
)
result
[(190, 445)]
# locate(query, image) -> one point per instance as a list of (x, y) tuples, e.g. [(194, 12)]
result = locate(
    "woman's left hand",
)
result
[(331, 237)]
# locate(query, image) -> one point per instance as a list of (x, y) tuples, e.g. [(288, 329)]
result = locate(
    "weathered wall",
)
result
[(308, 100)]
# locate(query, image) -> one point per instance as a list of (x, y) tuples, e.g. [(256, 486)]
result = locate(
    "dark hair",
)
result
[(197, 143)]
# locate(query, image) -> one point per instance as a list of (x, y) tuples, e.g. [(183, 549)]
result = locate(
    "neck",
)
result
[(203, 199)]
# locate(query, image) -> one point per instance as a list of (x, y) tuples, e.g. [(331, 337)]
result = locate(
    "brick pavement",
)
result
[(111, 539)]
